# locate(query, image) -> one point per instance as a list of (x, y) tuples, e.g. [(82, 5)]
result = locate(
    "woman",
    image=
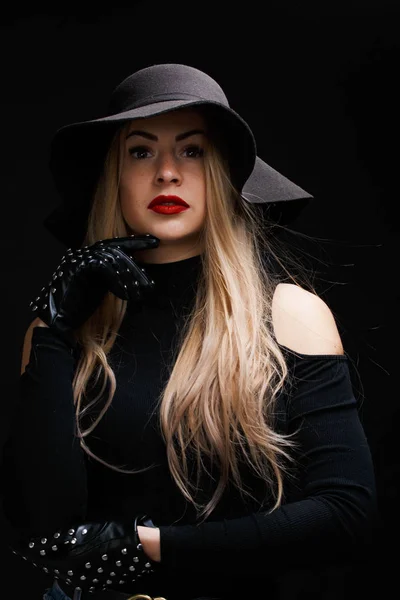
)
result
[(187, 425)]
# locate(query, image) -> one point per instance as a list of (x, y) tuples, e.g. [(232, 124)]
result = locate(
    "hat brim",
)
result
[(266, 185), (280, 199)]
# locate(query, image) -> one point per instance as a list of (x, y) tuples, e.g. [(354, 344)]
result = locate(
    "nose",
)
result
[(168, 170)]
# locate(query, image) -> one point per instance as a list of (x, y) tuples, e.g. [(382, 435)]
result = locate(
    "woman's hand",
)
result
[(94, 555), (150, 540), (83, 278)]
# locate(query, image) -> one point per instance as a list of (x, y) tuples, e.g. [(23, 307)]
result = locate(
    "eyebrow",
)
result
[(154, 138)]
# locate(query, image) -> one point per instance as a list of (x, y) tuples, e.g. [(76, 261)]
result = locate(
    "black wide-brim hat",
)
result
[(78, 150)]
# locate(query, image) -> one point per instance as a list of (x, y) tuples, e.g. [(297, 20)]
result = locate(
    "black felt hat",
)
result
[(78, 150)]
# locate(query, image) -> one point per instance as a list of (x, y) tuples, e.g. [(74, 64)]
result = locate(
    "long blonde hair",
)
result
[(218, 403)]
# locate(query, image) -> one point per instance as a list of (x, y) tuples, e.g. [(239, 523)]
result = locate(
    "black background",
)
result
[(319, 87)]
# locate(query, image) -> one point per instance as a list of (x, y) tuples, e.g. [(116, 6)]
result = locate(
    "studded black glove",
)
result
[(85, 275), (91, 556)]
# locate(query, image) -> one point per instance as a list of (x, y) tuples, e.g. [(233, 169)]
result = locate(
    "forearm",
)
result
[(308, 532), (330, 508), (45, 483)]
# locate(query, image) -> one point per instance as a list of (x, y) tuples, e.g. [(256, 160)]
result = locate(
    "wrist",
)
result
[(150, 540), (39, 323)]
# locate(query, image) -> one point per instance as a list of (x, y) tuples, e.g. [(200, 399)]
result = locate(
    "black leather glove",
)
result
[(91, 556), (85, 275)]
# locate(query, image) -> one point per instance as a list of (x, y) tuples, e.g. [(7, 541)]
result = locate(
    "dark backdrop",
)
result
[(319, 88)]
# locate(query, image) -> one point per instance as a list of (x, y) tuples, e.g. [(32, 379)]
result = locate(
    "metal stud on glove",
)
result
[(91, 556), (85, 275)]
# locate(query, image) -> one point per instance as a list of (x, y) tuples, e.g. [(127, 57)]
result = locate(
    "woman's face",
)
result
[(163, 156)]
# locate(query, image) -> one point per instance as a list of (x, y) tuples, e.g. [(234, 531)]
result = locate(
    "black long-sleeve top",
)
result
[(329, 499)]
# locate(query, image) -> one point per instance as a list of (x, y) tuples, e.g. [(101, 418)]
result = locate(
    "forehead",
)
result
[(178, 120)]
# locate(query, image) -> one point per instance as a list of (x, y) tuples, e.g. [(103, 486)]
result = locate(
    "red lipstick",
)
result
[(163, 199), (161, 204)]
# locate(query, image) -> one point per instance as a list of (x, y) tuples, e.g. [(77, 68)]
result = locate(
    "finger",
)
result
[(131, 243), (122, 276), (129, 273), (131, 269), (111, 270)]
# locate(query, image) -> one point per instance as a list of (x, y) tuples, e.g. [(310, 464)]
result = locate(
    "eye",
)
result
[(139, 152), (193, 151)]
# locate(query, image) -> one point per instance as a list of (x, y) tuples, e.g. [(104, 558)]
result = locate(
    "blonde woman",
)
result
[(187, 426)]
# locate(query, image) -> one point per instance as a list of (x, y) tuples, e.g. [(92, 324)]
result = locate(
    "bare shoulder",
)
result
[(304, 322), (26, 349)]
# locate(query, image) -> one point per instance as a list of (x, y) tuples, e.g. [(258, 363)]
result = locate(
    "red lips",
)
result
[(160, 199)]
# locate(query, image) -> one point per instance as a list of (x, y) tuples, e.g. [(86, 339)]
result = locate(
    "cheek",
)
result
[(201, 186), (132, 184), (196, 176)]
